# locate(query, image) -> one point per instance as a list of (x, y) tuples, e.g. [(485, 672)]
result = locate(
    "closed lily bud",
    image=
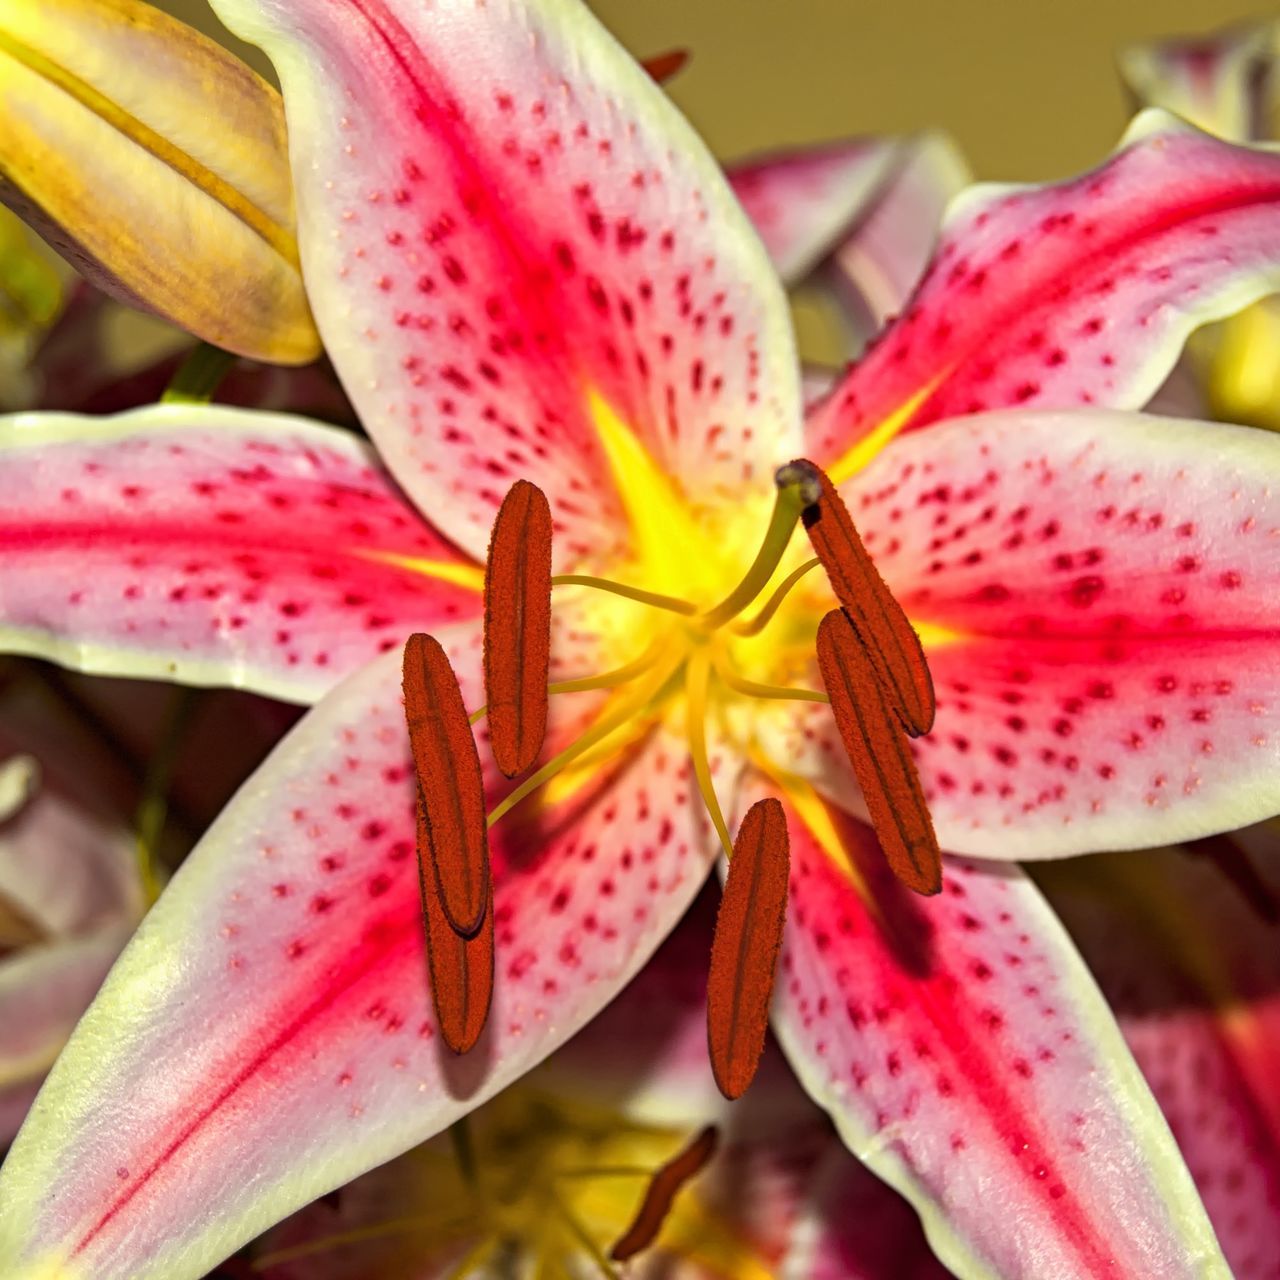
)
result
[(155, 161)]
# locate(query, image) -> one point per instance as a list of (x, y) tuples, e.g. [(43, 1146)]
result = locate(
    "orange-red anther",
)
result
[(662, 66), (880, 757), (449, 783), (517, 627), (661, 1192), (890, 639), (745, 950), (461, 968)]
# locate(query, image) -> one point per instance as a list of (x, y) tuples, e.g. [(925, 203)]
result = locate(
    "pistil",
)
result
[(798, 487)]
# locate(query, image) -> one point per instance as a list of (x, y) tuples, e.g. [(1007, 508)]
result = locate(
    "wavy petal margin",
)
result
[(966, 1055)]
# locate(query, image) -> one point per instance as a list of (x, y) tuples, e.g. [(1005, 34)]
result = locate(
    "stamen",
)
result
[(880, 759), (755, 625), (885, 630), (453, 838), (796, 491), (461, 967), (517, 627), (661, 1193), (697, 679), (671, 603), (606, 725), (773, 692), (744, 953)]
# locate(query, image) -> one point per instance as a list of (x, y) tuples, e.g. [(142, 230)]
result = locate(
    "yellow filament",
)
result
[(787, 506), (753, 626), (697, 679), (658, 601), (606, 680), (771, 692), (609, 723)]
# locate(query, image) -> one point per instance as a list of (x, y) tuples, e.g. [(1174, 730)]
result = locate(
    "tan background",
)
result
[(1028, 89)]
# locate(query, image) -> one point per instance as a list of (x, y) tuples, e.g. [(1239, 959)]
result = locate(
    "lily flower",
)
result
[(525, 266), (1185, 944), (1226, 83)]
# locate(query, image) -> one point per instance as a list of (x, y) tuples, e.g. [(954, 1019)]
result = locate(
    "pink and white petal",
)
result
[(268, 1035), (966, 1055), (1182, 393), (1220, 82), (65, 869), (213, 546), (505, 226), (1097, 592), (67, 860), (1074, 293), (1187, 952), (803, 202), (43, 991), (877, 267)]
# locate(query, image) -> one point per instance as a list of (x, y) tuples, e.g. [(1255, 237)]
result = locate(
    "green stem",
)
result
[(199, 375)]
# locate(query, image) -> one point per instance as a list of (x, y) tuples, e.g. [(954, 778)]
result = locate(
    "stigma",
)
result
[(700, 660)]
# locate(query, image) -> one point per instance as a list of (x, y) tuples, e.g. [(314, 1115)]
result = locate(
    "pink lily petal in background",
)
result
[(803, 202), (1074, 293), (69, 882), (1187, 951), (877, 266), (961, 1047), (1221, 82), (196, 1103), (499, 217), (44, 989), (1097, 592), (212, 546)]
